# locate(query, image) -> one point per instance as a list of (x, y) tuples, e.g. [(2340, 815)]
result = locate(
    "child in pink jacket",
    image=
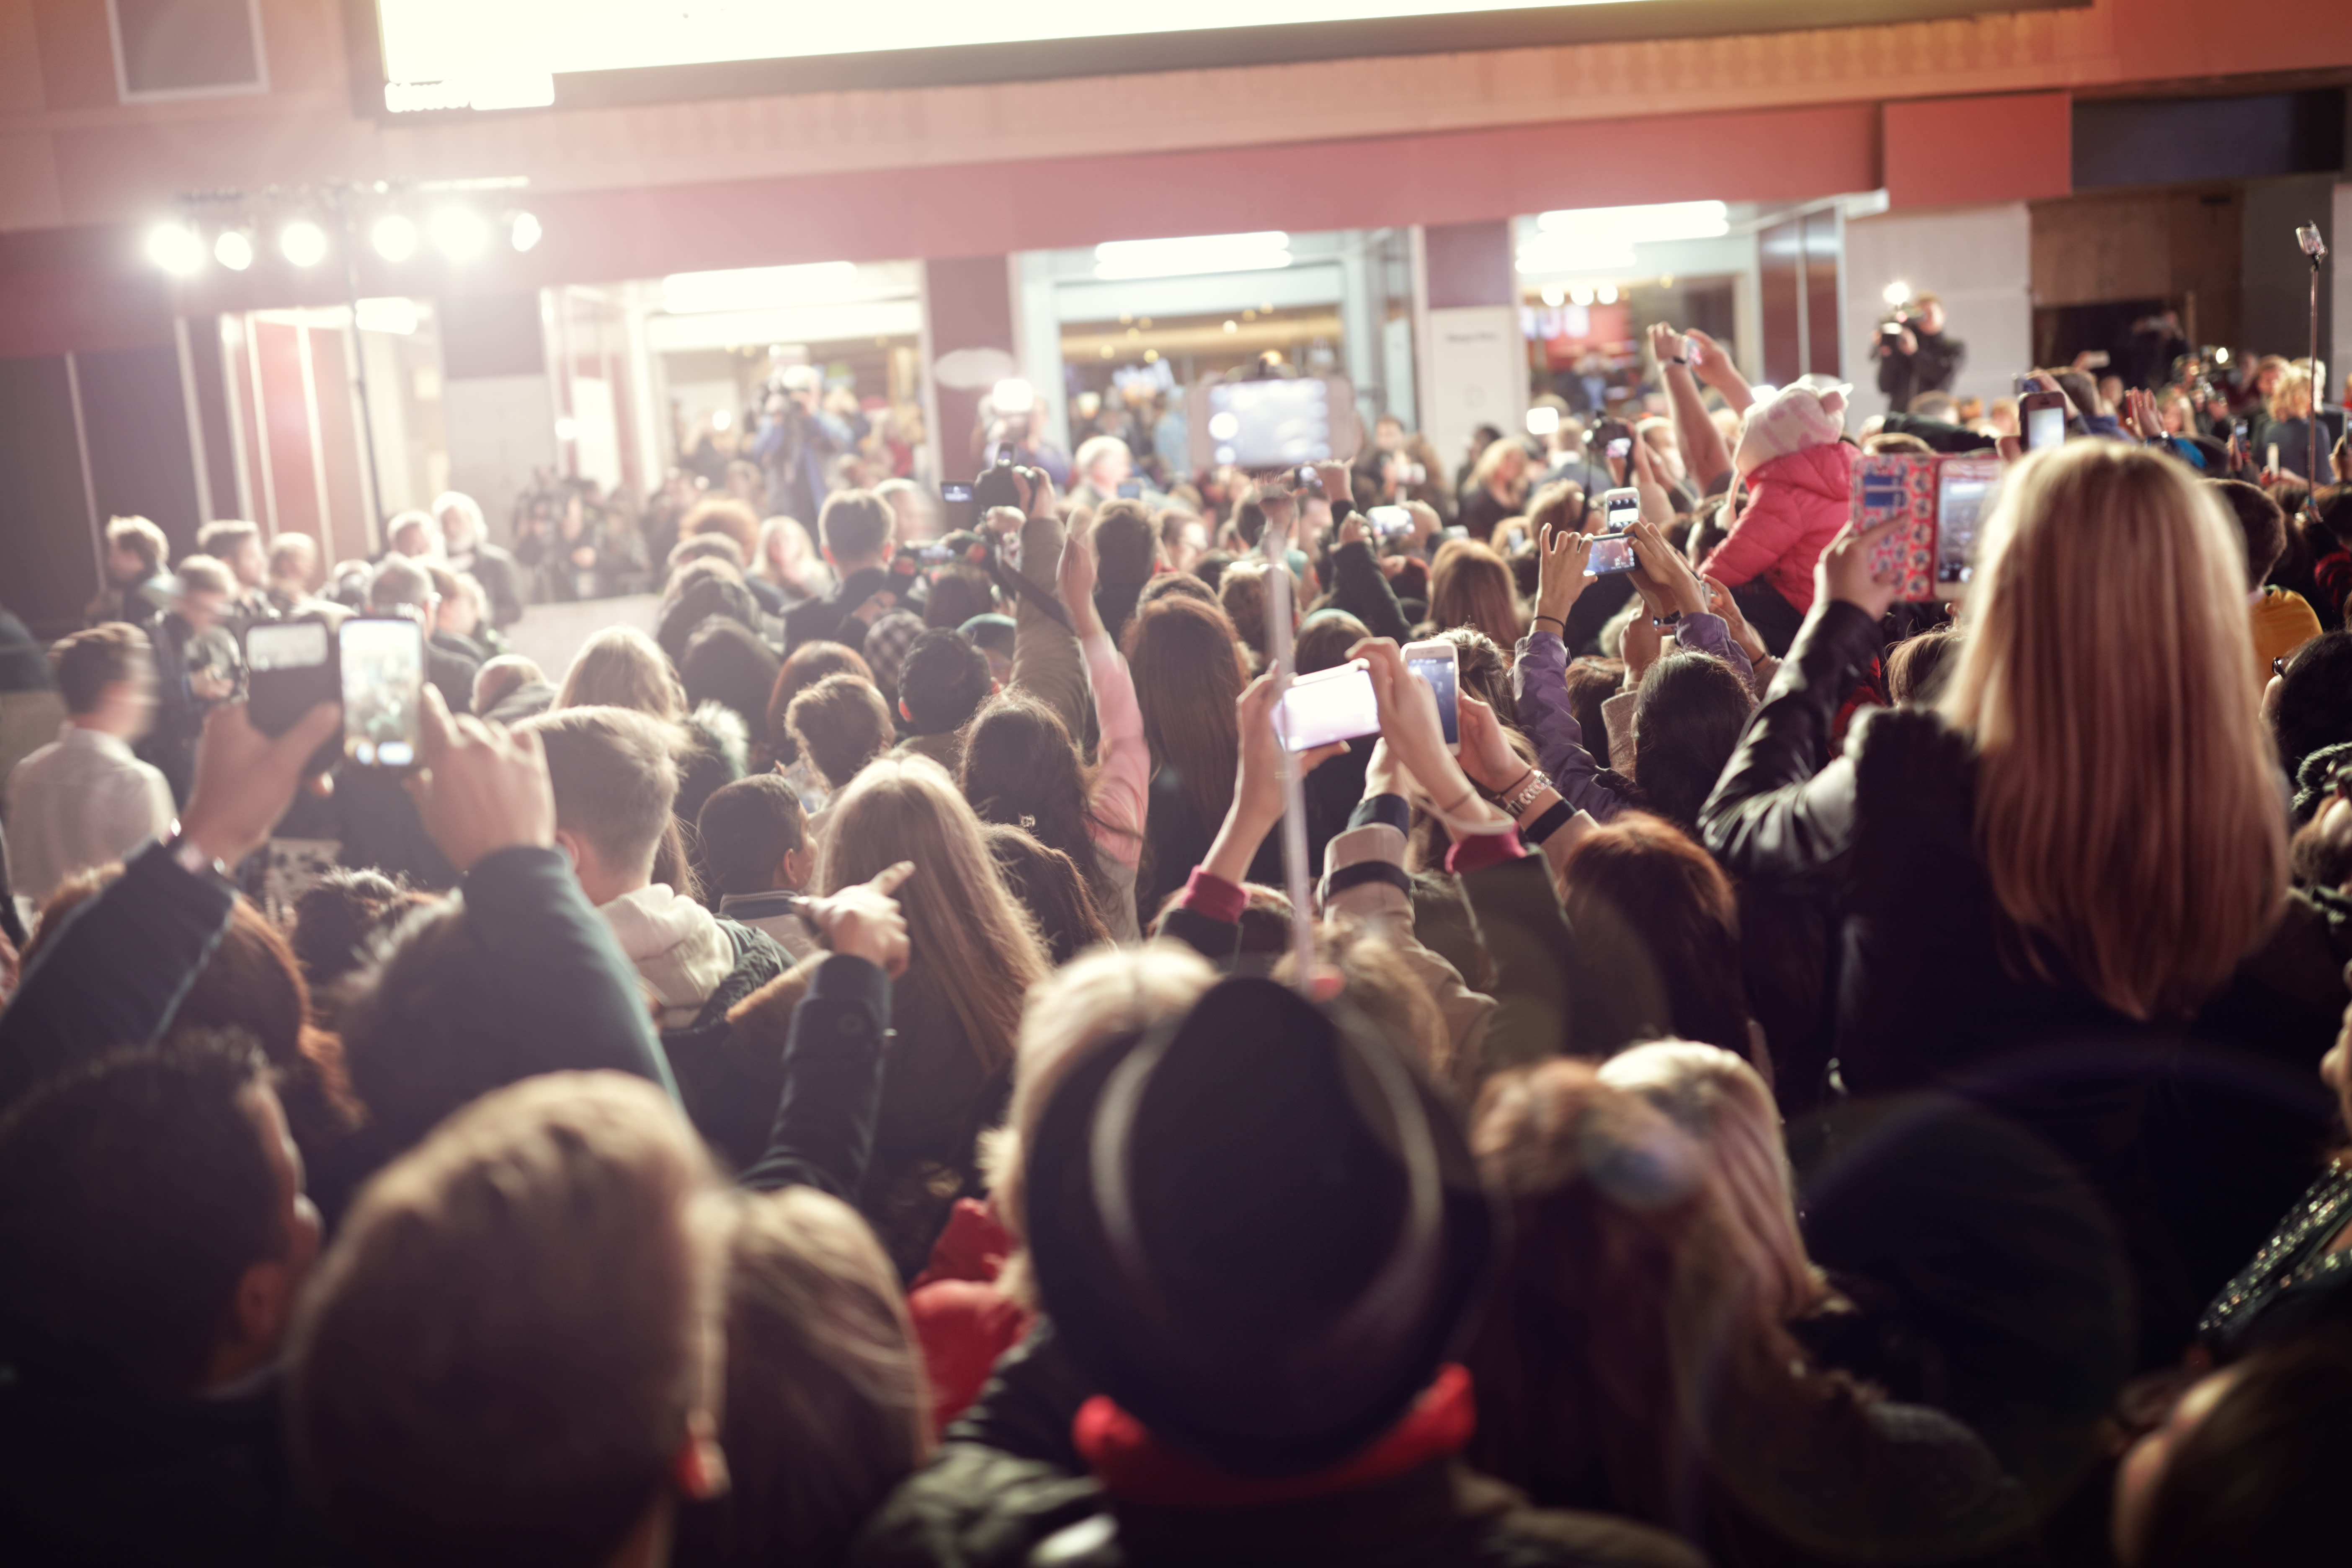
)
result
[(1797, 471)]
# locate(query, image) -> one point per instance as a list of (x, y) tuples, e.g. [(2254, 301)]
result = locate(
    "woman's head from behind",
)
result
[(1189, 674), (1686, 722), (726, 663), (2315, 699), (968, 935), (620, 667), (1049, 884), (826, 1408), (807, 664), (1021, 768), (2126, 810), (1639, 888), (1470, 586)]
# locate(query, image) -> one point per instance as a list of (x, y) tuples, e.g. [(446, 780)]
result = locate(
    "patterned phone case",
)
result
[(1889, 485)]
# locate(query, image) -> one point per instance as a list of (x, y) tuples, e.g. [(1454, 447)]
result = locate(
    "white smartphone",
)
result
[(1335, 704), (382, 661), (1612, 550), (1389, 521), (1438, 662)]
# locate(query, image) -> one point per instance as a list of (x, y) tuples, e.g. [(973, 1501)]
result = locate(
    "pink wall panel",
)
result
[(1946, 152), (287, 419)]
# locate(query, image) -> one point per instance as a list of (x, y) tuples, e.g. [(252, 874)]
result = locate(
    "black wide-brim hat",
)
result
[(1257, 1228)]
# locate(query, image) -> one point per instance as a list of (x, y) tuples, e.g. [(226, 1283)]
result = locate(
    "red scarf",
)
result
[(1136, 1466)]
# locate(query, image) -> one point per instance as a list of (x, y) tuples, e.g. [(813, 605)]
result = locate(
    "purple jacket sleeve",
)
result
[(1539, 682), (1709, 634)]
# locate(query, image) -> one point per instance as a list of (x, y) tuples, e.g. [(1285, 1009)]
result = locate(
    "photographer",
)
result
[(1913, 353), (795, 440)]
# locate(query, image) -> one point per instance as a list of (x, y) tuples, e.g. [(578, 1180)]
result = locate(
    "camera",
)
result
[(996, 485)]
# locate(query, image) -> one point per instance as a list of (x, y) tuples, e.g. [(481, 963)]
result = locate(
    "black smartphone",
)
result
[(2041, 415), (291, 667), (955, 495), (382, 662)]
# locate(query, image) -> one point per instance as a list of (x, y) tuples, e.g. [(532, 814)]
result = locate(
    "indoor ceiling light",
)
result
[(175, 247), (1896, 293), (393, 237), (760, 288), (459, 233), (303, 242), (396, 315), (523, 231), (233, 248), (1591, 239), (1257, 252)]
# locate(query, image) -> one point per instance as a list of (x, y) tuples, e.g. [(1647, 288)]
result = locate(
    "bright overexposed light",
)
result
[(498, 88), (233, 248), (1259, 252), (1896, 293), (1606, 294), (1580, 295), (722, 419), (459, 233), (523, 231), (567, 428), (393, 237), (1013, 396), (1762, 392), (388, 315), (1554, 295), (1543, 421), (1589, 239), (175, 248), (759, 288), (303, 242), (2220, 356)]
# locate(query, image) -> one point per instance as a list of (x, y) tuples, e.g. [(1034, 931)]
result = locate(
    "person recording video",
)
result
[(1913, 353)]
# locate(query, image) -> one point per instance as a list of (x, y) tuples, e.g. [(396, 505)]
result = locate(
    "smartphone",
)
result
[(1329, 705), (1268, 424), (1939, 503), (1309, 482), (2271, 466), (383, 690), (1693, 350), (1613, 551), (1438, 662), (963, 514), (2096, 360), (1963, 486), (1389, 521), (1542, 421), (291, 668), (2042, 416), (938, 555), (1130, 489)]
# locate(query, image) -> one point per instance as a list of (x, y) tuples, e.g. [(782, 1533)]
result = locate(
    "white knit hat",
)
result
[(1796, 416)]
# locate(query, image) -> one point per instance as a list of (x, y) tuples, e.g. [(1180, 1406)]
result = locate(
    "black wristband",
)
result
[(1549, 823), (1363, 871)]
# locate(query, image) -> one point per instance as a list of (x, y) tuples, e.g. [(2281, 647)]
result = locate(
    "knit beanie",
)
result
[(1797, 417)]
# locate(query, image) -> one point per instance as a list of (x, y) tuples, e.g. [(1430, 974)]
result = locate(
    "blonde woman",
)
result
[(1497, 487), (956, 1012), (2288, 428), (2063, 860)]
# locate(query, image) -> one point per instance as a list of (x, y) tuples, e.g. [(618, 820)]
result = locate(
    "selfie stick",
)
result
[(2315, 246), (1279, 648)]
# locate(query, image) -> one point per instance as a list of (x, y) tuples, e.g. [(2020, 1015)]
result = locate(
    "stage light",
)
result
[(1554, 295), (720, 419), (459, 233), (1762, 392), (303, 242), (396, 316), (1013, 396), (1606, 293), (175, 248), (523, 231), (393, 237), (1581, 294), (1262, 251), (1896, 293), (234, 249)]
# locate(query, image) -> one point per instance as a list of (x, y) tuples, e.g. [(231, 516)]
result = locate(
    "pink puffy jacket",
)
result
[(1796, 504)]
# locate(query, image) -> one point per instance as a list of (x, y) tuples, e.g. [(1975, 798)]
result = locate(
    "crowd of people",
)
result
[(1775, 1077)]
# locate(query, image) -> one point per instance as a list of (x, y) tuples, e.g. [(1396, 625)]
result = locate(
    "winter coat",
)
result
[(1796, 504)]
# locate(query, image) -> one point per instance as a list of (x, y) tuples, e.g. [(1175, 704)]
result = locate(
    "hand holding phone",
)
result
[(1613, 549), (1335, 704), (485, 788), (383, 660), (1437, 663), (245, 780)]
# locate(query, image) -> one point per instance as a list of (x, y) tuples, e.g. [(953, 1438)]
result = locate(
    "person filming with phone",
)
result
[(1913, 353)]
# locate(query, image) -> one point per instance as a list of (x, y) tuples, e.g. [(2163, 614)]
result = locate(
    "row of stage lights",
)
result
[(459, 233)]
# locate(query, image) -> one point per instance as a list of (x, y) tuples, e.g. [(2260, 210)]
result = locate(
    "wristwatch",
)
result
[(191, 858), (1525, 794), (1668, 621)]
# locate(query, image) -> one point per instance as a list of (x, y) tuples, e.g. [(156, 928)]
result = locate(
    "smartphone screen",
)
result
[(1621, 448), (1389, 521), (1960, 509), (1443, 674), (1613, 551), (956, 495), (1130, 489), (1330, 705), (384, 691), (1542, 421), (2045, 427), (290, 671), (1270, 424)]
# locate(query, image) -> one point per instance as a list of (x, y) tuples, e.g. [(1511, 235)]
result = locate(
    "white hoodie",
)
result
[(680, 953)]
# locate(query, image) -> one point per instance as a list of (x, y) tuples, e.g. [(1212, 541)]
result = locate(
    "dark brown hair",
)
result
[(803, 667), (841, 723), (1659, 915), (1188, 675), (1470, 586), (86, 663)]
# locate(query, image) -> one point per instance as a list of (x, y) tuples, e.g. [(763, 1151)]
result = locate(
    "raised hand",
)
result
[(1559, 573), (1663, 578), (1075, 581), (482, 787), (245, 780), (1844, 571), (1487, 755), (865, 922)]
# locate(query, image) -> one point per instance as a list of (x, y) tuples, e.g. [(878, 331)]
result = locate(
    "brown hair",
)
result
[(1188, 675), (727, 516), (621, 667), (138, 536), (224, 539), (1470, 586), (841, 723), (854, 525), (972, 941), (826, 1408), (803, 667), (616, 777), (205, 575), (465, 1265), (1661, 911), (2126, 815), (1247, 601), (86, 663)]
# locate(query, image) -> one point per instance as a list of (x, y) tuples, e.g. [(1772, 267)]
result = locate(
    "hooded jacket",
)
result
[(1796, 504)]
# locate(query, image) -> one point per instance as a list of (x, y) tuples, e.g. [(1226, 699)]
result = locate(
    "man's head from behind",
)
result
[(2261, 520), (206, 587), (942, 682), (510, 1352), (755, 836), (107, 677), (501, 678), (856, 529), (400, 584), (616, 778), (135, 549), (237, 546), (152, 1216), (840, 725)]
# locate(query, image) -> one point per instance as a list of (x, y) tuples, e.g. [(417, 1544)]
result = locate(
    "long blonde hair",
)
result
[(2128, 805), (621, 667), (971, 941)]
